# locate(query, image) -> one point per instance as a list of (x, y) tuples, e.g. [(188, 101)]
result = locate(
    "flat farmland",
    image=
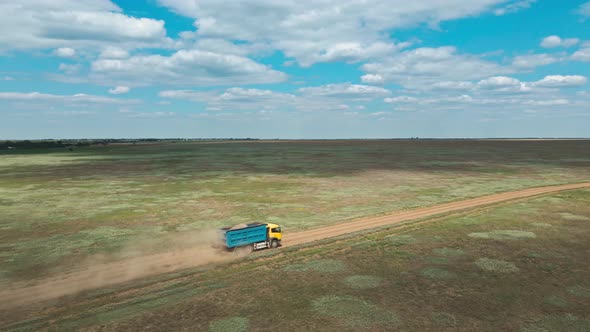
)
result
[(517, 266), (58, 208)]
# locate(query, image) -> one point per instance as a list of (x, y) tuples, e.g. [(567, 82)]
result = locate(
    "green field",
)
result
[(520, 266), (58, 207)]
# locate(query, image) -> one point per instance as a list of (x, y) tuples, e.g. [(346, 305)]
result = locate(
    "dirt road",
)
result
[(398, 217), (105, 274)]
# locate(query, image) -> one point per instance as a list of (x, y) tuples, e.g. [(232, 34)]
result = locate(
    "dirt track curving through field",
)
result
[(398, 217), (110, 273)]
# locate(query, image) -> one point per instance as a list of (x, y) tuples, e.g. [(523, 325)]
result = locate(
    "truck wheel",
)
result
[(274, 244)]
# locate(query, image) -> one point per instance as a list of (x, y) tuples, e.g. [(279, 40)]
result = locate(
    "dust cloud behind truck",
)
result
[(246, 238)]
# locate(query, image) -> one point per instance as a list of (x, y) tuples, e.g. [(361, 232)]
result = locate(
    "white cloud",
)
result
[(119, 90), (148, 115), (551, 41), (111, 52), (39, 24), (65, 52), (582, 55), (559, 81), (533, 60), (197, 96), (341, 51), (184, 67), (556, 41), (36, 96), (400, 99), (236, 99), (514, 7), (584, 9), (552, 102), (423, 67), (191, 40), (7, 78), (372, 79), (504, 85), (321, 98), (498, 82), (69, 69), (345, 90), (569, 42), (238, 96), (453, 85), (494, 94), (317, 31)]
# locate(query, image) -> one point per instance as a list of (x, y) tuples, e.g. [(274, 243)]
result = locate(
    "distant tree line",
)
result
[(71, 143), (46, 144)]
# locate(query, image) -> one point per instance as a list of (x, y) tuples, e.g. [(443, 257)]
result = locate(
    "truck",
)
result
[(243, 239)]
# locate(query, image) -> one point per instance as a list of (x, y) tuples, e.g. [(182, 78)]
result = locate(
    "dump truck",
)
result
[(245, 238)]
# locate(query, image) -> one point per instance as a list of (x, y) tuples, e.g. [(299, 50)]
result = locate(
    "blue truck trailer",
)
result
[(247, 238)]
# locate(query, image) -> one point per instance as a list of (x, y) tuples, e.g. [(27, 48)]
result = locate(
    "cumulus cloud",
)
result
[(556, 41), (372, 79), (319, 31), (401, 99), (426, 66), (37, 24), (65, 52), (327, 97), (111, 52), (481, 102), (559, 81), (236, 99), (80, 97), (345, 90), (496, 93), (185, 67), (533, 60), (119, 90), (453, 85), (343, 51), (503, 84), (498, 82), (552, 102), (582, 55)]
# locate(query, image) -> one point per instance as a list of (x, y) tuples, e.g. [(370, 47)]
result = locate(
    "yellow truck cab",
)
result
[(275, 235)]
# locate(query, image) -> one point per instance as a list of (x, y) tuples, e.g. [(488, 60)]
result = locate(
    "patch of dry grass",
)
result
[(321, 265), (233, 324), (504, 235), (436, 273), (496, 265), (354, 311), (363, 281), (579, 291)]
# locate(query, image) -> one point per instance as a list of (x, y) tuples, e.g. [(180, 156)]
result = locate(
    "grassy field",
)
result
[(520, 266), (58, 207)]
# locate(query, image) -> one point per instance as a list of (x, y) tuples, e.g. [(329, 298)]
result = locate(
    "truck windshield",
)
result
[(276, 230)]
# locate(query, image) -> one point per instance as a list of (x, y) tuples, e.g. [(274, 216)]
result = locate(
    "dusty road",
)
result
[(105, 274), (398, 217)]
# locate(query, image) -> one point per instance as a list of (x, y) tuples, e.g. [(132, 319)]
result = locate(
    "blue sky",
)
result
[(294, 69)]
